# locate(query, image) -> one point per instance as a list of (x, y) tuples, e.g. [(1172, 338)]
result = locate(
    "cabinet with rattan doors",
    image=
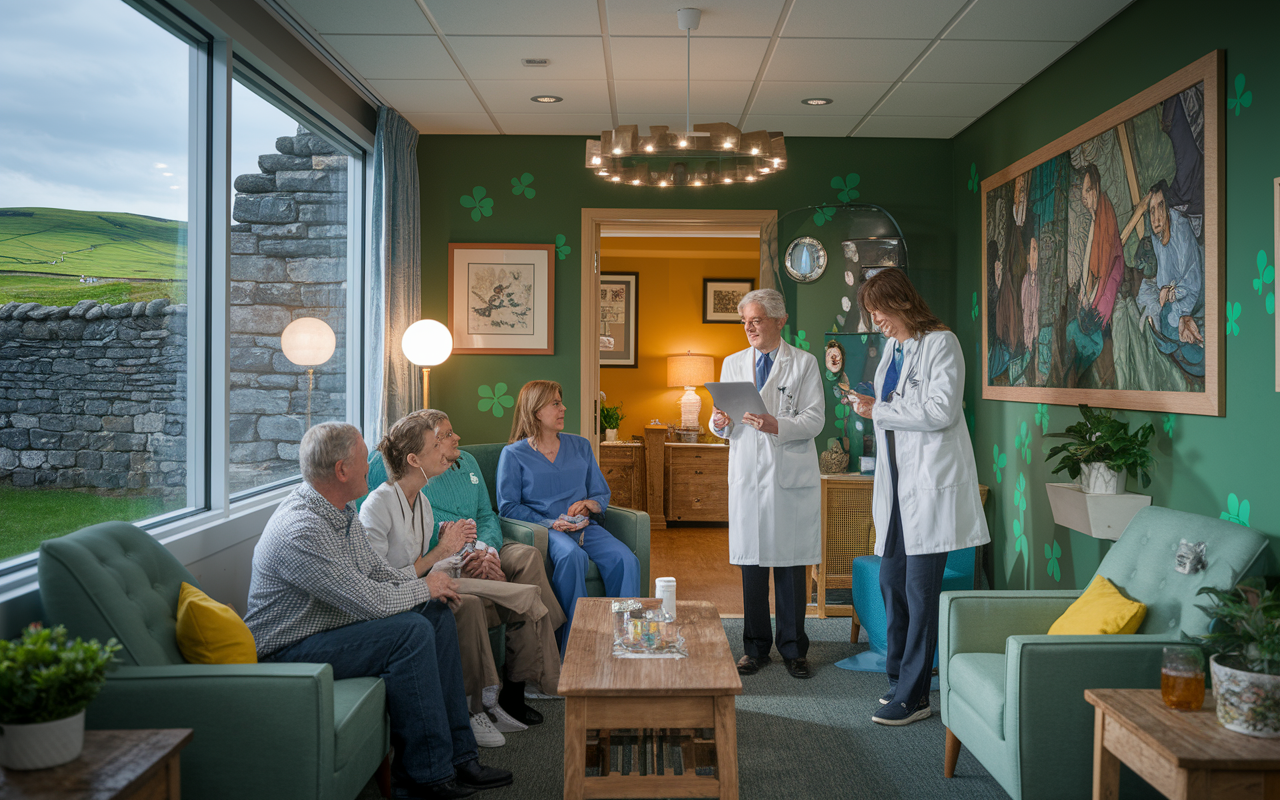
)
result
[(697, 482)]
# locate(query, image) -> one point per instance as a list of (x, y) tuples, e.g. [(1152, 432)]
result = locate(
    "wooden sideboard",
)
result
[(696, 483), (623, 465)]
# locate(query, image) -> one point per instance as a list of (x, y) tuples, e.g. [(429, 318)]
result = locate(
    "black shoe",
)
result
[(798, 667), (449, 790), (530, 717), (473, 775), (511, 698), (750, 665)]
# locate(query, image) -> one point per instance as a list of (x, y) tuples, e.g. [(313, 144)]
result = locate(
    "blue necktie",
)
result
[(764, 363), (891, 375)]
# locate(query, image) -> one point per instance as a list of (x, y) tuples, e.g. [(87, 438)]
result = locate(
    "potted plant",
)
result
[(1101, 449), (1245, 640), (610, 418), (46, 682)]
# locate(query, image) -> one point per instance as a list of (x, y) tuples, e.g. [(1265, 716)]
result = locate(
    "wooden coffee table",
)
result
[(606, 693), (113, 764), (1183, 754)]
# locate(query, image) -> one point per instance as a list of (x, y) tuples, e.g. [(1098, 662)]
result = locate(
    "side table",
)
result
[(114, 764)]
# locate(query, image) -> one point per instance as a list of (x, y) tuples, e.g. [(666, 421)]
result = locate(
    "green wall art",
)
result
[(1237, 510), (1243, 98), (1022, 444), (1233, 318), (998, 461), (1042, 418), (821, 216), (480, 205), (494, 400), (1053, 553), (562, 249), (847, 193), (974, 183), (520, 186), (1266, 277)]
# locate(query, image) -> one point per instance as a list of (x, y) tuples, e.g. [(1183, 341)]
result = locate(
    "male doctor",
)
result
[(774, 490)]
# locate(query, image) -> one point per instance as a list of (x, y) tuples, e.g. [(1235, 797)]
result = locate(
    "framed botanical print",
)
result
[(720, 298), (502, 298), (619, 302)]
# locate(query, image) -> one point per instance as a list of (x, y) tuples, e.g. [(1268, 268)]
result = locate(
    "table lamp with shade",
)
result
[(427, 343), (308, 342), (690, 370)]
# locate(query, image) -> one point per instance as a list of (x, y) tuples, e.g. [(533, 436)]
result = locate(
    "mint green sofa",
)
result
[(1014, 696), (270, 731)]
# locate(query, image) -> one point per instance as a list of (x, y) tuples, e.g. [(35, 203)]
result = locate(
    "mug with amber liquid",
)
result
[(1182, 678)]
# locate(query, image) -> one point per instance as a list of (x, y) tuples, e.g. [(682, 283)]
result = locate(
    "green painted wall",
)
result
[(1206, 465)]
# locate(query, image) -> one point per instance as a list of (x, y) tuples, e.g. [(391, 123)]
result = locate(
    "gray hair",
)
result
[(323, 447), (433, 417), (771, 300)]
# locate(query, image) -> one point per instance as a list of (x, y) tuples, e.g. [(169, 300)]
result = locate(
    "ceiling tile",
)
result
[(870, 60), (650, 58), (719, 18), (451, 123), (723, 100), (516, 17), (783, 97), (913, 127), (384, 16), (986, 62), (389, 57), (871, 19), (802, 124), (498, 57), (946, 99), (1047, 20), (512, 97), (554, 124), (442, 97)]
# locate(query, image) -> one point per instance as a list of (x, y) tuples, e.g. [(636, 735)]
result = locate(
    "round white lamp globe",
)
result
[(427, 343), (308, 341)]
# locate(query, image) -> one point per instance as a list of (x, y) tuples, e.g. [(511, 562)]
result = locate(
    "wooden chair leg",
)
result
[(855, 628), (953, 755), (383, 776)]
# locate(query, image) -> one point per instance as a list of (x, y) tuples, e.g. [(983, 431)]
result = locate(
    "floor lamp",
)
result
[(427, 343), (308, 342)]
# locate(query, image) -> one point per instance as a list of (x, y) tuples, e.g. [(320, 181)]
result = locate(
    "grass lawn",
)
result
[(104, 244), (32, 515), (53, 291)]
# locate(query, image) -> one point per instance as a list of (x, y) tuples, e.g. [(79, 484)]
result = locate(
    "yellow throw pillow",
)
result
[(1101, 609), (210, 632)]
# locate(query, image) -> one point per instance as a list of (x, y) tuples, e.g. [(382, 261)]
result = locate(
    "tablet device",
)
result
[(737, 398)]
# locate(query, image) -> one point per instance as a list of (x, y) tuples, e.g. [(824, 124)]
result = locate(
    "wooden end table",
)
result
[(1183, 754), (606, 693), (113, 764)]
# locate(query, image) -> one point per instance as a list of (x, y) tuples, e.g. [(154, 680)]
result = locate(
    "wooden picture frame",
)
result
[(1103, 318), (502, 298), (619, 311), (720, 298)]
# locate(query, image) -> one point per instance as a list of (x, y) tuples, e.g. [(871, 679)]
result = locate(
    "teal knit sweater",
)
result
[(461, 493)]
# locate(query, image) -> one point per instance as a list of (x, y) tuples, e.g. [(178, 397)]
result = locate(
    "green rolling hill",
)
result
[(56, 241)]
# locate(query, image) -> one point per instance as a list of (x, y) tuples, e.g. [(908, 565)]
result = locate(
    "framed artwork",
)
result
[(502, 298), (720, 298), (619, 301), (1102, 257)]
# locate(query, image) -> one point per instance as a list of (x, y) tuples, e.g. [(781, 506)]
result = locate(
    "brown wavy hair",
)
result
[(533, 396), (890, 292), (407, 436)]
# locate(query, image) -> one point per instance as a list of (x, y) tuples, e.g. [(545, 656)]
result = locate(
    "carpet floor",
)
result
[(797, 740)]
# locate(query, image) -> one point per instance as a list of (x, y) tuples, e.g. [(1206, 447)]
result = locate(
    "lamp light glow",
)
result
[(308, 342), (426, 343)]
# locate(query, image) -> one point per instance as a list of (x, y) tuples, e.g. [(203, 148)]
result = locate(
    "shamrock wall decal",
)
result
[(1020, 493), (1020, 540), (800, 341), (998, 461), (1042, 417), (1169, 425), (976, 310), (1266, 276), (1242, 99), (1233, 318), (1022, 443), (1237, 510), (520, 186), (562, 249), (1053, 554), (478, 203), (845, 185), (495, 399), (974, 183), (822, 215)]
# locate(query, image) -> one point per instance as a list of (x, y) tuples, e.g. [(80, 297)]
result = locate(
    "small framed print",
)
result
[(619, 302), (720, 298), (502, 298)]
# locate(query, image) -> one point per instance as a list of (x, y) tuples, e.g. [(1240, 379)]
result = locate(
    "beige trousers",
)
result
[(526, 603)]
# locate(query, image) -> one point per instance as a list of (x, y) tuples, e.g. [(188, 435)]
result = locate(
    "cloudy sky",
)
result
[(94, 104)]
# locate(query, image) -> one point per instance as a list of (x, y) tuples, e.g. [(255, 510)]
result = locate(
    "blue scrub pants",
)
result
[(619, 568)]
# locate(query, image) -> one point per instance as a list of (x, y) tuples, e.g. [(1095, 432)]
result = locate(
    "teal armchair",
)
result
[(268, 731), (1014, 696)]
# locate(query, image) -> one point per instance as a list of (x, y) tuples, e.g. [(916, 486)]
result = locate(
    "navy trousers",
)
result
[(790, 596)]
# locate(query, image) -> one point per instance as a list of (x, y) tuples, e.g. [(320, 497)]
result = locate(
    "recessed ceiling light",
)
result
[(546, 98), (817, 101)]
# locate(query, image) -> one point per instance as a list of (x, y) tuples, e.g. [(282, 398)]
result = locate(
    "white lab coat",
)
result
[(937, 476), (774, 484)]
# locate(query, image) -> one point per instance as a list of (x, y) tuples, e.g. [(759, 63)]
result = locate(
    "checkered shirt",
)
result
[(313, 570)]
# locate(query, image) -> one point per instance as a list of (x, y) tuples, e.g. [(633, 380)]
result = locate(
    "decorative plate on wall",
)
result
[(806, 259)]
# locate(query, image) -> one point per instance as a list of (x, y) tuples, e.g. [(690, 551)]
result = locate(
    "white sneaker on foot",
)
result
[(503, 721), (486, 735)]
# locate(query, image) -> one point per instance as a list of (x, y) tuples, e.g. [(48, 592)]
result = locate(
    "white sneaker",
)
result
[(486, 735), (503, 721)]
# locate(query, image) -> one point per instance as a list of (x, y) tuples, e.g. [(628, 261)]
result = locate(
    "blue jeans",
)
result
[(619, 568), (416, 655)]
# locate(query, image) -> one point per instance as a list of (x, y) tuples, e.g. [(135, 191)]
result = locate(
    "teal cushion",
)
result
[(486, 456), (978, 680), (358, 706)]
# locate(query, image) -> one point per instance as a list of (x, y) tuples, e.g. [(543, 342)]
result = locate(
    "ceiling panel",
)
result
[(554, 124), (863, 60), (516, 17), (498, 57), (512, 97), (386, 57), (1030, 20), (870, 19), (384, 16), (442, 97), (946, 99), (720, 99), (802, 125), (451, 123), (783, 97), (650, 58), (719, 18), (986, 62), (914, 127)]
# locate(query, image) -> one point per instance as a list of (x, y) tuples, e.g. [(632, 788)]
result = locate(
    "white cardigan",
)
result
[(397, 533)]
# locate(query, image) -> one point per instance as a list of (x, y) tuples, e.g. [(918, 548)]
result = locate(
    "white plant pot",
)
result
[(1096, 478), (611, 434), (1246, 700), (42, 744)]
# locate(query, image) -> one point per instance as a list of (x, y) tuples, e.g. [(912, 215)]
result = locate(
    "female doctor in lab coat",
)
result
[(925, 500)]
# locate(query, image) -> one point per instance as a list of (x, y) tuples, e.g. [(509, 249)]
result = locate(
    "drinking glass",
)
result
[(1182, 678)]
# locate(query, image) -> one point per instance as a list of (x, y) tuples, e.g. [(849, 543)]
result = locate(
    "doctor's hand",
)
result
[(765, 423), (719, 419), (862, 405)]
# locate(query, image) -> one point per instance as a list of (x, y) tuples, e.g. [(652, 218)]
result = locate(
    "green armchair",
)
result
[(1014, 695), (261, 730)]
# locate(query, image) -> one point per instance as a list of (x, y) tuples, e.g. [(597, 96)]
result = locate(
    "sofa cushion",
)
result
[(978, 680), (358, 708), (209, 632), (1102, 609)]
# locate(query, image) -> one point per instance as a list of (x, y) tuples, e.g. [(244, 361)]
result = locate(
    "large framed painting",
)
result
[(619, 301), (1102, 258), (720, 298), (502, 298)]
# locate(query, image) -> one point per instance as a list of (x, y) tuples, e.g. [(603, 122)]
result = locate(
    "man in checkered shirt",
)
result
[(320, 594)]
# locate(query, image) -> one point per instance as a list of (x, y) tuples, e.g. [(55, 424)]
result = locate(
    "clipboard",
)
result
[(737, 398)]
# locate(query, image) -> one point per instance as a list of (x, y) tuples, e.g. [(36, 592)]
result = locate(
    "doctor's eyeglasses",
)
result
[(754, 322)]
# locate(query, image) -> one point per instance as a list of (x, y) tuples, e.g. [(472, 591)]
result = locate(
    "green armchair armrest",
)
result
[(631, 527), (981, 621), (521, 532)]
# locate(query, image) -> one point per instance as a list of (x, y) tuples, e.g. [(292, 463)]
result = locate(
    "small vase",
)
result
[(1097, 478), (42, 744), (1246, 700), (611, 434)]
